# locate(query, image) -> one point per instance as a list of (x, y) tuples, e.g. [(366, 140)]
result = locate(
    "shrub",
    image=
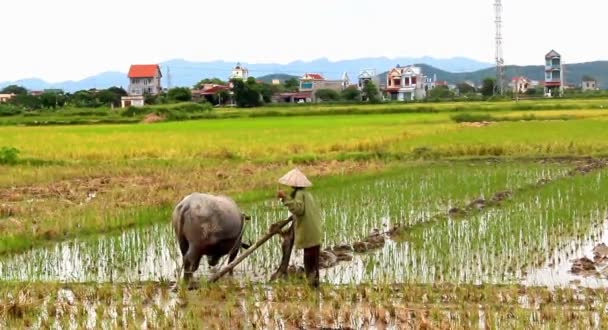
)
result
[(9, 155), (471, 117), (9, 110), (134, 111)]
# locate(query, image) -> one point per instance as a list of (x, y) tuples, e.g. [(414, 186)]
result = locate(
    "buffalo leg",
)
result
[(286, 247), (183, 245), (192, 261)]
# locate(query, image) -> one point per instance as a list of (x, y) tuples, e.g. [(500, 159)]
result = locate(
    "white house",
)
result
[(407, 83), (520, 85)]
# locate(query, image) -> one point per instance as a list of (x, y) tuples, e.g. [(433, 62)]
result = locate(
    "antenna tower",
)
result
[(500, 62)]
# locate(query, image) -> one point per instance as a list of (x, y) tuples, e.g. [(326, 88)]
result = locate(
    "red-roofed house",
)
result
[(211, 93), (144, 79)]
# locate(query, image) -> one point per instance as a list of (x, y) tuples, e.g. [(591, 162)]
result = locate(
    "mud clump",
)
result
[(584, 266), (501, 196), (600, 254), (477, 204), (590, 166)]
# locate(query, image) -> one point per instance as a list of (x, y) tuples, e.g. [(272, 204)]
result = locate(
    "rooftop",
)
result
[(143, 70)]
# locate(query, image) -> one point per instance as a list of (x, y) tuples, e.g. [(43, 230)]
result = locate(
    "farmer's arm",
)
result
[(295, 205)]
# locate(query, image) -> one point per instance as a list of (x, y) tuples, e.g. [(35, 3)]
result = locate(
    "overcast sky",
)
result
[(72, 39)]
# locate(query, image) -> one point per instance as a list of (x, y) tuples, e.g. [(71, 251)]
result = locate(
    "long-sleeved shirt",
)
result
[(307, 216)]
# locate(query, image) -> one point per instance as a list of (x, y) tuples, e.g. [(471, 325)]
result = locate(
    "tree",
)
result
[(14, 89), (108, 97), (118, 91), (327, 95), (83, 98), (267, 91), (246, 94), (51, 100), (487, 87), (26, 101), (465, 88), (531, 91), (181, 94), (370, 92), (292, 84), (440, 92), (215, 81), (351, 93)]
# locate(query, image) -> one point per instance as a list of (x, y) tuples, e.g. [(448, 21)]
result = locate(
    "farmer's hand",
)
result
[(281, 194)]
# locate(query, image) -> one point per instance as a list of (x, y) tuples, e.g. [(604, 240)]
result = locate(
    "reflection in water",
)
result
[(556, 271)]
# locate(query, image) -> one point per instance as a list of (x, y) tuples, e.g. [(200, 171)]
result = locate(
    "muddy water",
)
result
[(556, 270), (351, 213)]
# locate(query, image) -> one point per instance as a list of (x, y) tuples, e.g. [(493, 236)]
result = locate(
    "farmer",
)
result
[(305, 232)]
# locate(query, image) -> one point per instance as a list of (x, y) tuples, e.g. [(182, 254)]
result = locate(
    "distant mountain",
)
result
[(186, 73), (100, 81), (281, 77), (573, 74)]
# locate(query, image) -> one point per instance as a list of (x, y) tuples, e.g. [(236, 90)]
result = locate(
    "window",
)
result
[(306, 85)]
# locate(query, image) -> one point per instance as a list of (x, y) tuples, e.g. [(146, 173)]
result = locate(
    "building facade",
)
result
[(554, 77), (144, 79), (520, 85), (407, 84), (310, 83), (589, 85)]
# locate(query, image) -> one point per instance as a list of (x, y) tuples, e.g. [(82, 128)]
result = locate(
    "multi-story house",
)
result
[(310, 83), (144, 79), (366, 76), (407, 83), (554, 77)]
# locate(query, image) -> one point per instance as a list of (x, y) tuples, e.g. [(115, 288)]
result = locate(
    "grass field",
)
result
[(79, 192)]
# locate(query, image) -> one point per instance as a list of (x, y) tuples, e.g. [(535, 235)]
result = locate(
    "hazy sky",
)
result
[(72, 39)]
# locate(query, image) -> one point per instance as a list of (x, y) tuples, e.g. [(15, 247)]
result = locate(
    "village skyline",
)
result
[(80, 40)]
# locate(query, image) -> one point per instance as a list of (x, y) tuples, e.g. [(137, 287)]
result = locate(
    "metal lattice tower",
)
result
[(500, 62)]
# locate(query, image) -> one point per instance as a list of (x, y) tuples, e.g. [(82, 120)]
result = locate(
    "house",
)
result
[(211, 93), (312, 82), (589, 84), (366, 76), (520, 85), (239, 72), (407, 84), (132, 101), (293, 97), (6, 97), (144, 79), (554, 78), (276, 82)]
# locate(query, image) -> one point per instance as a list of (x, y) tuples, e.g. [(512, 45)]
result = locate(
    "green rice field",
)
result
[(475, 225)]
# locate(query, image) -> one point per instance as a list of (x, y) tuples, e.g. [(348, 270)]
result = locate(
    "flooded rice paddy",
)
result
[(549, 219)]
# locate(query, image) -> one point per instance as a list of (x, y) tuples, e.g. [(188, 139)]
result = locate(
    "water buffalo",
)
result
[(207, 225)]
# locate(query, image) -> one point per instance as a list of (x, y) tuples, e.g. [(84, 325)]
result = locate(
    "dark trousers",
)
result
[(311, 265)]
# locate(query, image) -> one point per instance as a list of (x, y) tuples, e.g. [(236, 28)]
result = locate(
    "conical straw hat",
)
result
[(295, 178)]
